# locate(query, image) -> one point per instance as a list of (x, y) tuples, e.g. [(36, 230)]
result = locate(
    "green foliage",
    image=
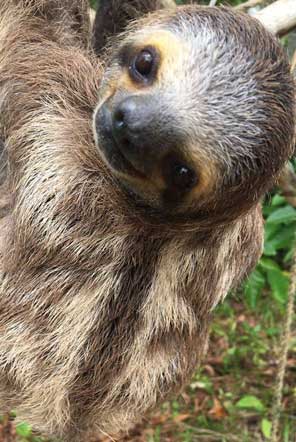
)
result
[(23, 429), (253, 287), (250, 403), (266, 427), (94, 3), (271, 274)]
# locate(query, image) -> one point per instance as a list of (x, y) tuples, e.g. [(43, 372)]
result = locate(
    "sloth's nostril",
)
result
[(119, 122)]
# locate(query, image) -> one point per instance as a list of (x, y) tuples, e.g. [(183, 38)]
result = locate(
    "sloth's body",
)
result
[(112, 259)]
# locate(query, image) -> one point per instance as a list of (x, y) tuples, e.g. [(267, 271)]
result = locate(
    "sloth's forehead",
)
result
[(184, 55), (181, 43), (192, 29)]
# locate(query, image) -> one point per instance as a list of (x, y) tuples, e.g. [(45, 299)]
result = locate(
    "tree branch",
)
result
[(249, 4), (279, 17)]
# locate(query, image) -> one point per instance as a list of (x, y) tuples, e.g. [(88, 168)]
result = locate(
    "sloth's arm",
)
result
[(66, 21), (114, 15), (40, 49), (44, 69), (66, 16)]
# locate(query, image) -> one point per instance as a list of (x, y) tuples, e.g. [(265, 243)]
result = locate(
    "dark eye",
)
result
[(143, 65), (178, 175), (183, 177)]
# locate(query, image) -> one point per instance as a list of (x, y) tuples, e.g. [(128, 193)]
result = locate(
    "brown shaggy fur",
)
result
[(105, 302), (113, 16)]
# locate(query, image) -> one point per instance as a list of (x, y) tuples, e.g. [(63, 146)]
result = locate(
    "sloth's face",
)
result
[(138, 129), (182, 120)]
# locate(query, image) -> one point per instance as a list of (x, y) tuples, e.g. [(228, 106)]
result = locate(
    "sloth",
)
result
[(130, 201)]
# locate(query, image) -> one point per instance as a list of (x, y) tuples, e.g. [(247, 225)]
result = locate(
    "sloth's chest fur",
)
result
[(108, 343)]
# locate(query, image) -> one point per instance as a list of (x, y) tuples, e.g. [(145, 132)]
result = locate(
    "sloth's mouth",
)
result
[(111, 150)]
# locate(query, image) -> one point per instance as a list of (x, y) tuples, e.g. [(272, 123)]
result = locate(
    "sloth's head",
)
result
[(196, 111)]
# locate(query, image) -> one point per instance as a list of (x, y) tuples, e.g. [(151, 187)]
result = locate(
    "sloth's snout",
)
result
[(133, 127), (128, 118), (127, 134), (136, 141)]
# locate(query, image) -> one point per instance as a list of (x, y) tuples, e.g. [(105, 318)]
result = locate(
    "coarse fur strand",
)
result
[(103, 311)]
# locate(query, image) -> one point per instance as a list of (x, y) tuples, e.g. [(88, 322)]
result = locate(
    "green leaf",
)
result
[(250, 403), (269, 249), (268, 264), (266, 427), (23, 429), (253, 287), (282, 238), (267, 210), (285, 215), (287, 432), (289, 255), (278, 200), (270, 230), (93, 4), (279, 283)]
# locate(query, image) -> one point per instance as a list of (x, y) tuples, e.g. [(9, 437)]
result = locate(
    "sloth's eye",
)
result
[(144, 63), (183, 177), (178, 175), (143, 66)]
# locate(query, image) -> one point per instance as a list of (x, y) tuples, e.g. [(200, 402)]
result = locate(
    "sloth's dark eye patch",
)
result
[(143, 66)]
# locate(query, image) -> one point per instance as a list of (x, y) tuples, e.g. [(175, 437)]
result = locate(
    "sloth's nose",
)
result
[(131, 116), (133, 127)]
